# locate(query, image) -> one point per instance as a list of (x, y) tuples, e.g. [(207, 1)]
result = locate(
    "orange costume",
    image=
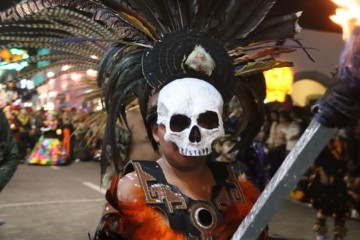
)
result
[(217, 218)]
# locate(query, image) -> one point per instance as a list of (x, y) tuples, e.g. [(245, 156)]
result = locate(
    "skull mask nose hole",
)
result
[(195, 135), (208, 120), (179, 122)]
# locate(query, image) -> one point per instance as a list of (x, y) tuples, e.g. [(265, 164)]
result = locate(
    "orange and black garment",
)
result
[(217, 218)]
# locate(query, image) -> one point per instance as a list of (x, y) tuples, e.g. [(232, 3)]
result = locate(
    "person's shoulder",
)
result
[(129, 188)]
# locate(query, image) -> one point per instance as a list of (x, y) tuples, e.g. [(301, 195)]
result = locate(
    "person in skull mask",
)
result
[(190, 193), (183, 194), (181, 178), (182, 84)]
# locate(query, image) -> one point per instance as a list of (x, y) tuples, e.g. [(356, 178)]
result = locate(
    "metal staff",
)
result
[(296, 163)]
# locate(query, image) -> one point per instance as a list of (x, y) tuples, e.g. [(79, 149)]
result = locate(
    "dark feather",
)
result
[(175, 14), (181, 10), (95, 8), (257, 67), (214, 15), (83, 39), (122, 27), (261, 54), (191, 8), (116, 78), (116, 109), (107, 60), (54, 57), (75, 68), (22, 9), (154, 11), (246, 20), (73, 18), (123, 7), (123, 78), (251, 93), (202, 8), (276, 27), (304, 49)]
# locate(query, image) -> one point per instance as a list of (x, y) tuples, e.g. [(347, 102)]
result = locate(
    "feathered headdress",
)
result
[(138, 46)]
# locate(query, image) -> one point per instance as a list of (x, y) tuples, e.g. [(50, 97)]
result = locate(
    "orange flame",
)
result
[(347, 16)]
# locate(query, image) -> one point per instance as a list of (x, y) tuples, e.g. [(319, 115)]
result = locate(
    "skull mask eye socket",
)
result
[(208, 120), (179, 122)]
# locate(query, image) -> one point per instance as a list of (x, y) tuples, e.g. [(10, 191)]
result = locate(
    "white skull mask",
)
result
[(191, 110)]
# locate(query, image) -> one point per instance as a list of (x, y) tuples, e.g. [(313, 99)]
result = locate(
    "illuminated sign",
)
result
[(278, 84), (12, 59)]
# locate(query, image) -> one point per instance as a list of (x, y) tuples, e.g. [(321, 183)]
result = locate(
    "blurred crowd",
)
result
[(331, 185), (78, 138)]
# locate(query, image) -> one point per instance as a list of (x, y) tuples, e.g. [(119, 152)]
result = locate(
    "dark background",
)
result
[(315, 12)]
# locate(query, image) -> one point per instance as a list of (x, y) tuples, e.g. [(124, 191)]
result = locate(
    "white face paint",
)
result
[(191, 110)]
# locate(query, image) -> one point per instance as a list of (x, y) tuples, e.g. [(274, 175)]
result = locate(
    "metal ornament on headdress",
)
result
[(169, 60)]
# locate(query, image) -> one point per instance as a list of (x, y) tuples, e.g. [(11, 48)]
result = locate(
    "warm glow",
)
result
[(91, 72), (50, 74), (75, 76), (99, 106), (347, 16), (278, 84), (28, 104), (42, 96), (65, 67), (49, 106), (52, 93), (305, 91)]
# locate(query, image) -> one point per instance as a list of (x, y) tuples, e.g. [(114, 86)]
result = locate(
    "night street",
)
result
[(64, 203), (243, 82)]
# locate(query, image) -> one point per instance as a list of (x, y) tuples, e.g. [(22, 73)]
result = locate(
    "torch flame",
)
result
[(347, 16)]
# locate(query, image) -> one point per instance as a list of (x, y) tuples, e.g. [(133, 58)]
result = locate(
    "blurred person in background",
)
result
[(352, 178), (10, 115), (277, 144), (66, 137), (327, 189), (224, 148), (24, 124), (37, 120), (48, 150)]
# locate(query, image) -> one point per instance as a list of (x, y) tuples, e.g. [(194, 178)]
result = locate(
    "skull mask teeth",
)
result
[(191, 109)]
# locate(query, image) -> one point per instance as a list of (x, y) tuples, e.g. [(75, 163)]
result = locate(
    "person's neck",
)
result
[(195, 170), (195, 182)]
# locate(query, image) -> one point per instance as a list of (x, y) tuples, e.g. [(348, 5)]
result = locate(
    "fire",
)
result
[(347, 16)]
